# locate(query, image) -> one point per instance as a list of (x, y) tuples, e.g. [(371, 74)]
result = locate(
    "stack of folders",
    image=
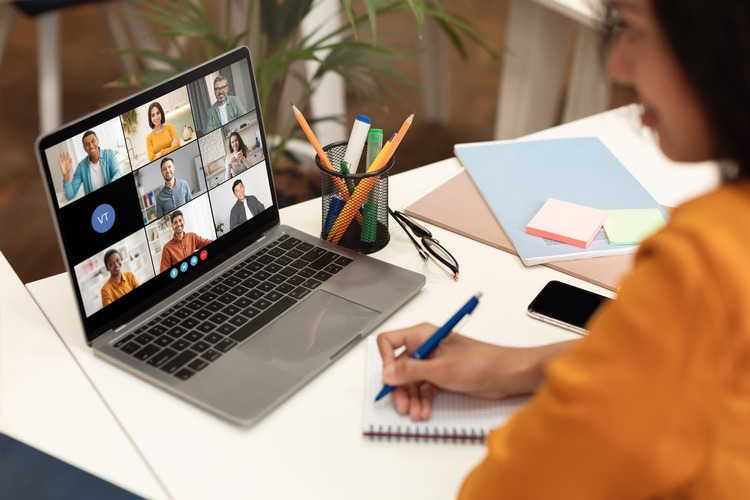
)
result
[(505, 184), (516, 179)]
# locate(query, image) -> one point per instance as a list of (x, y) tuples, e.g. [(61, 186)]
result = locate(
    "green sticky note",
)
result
[(632, 225)]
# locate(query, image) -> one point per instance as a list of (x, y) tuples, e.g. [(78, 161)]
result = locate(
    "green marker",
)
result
[(374, 144), (370, 207)]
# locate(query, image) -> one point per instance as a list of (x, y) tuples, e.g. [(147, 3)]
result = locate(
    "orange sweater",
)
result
[(655, 403), (112, 290), (161, 142), (176, 250)]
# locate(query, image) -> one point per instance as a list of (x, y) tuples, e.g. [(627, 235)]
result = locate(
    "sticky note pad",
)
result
[(633, 225), (567, 222)]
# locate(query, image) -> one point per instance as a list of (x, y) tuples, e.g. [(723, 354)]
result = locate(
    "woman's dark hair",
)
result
[(161, 110), (243, 148), (109, 254), (711, 42)]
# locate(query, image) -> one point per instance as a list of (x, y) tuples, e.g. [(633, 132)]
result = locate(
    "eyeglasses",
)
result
[(223, 88), (435, 251)]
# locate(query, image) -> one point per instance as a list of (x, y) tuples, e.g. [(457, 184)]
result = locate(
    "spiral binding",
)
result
[(446, 434)]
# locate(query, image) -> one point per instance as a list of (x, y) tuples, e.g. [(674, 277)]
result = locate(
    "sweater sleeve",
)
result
[(107, 297), (72, 186), (624, 413), (150, 146), (132, 280), (111, 166), (169, 128), (201, 242)]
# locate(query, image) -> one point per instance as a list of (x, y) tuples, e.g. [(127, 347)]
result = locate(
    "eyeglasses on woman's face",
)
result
[(434, 250)]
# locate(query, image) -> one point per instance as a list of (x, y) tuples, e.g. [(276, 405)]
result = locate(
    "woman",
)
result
[(163, 139), (236, 161), (655, 402), (119, 282)]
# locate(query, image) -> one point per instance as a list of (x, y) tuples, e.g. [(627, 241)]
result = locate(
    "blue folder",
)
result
[(517, 177)]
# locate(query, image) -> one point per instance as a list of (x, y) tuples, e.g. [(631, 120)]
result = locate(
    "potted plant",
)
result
[(271, 29), (129, 121)]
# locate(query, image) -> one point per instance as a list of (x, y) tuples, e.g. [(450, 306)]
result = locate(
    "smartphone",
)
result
[(565, 305)]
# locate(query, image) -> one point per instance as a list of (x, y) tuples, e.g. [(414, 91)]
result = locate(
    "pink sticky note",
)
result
[(567, 222)]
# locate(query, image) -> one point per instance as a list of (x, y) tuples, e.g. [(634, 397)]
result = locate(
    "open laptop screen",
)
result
[(153, 191)]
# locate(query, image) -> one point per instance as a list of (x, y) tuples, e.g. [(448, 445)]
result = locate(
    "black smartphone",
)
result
[(565, 305)]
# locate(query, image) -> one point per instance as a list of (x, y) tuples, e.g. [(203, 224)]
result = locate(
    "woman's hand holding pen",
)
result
[(459, 364)]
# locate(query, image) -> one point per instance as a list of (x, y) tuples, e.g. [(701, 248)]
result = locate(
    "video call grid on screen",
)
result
[(123, 211)]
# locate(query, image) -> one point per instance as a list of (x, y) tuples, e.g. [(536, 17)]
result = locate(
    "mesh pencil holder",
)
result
[(354, 205)]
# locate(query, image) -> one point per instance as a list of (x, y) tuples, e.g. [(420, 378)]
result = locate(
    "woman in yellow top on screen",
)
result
[(163, 139), (120, 282)]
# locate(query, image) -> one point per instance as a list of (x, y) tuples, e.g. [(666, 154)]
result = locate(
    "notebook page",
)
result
[(455, 417)]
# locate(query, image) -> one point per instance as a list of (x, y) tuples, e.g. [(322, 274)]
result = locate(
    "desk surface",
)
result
[(311, 446), (48, 402)]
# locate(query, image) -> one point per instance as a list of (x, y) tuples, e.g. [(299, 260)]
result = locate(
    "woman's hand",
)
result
[(459, 364)]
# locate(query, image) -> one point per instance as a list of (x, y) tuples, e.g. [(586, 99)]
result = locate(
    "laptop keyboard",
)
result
[(185, 338)]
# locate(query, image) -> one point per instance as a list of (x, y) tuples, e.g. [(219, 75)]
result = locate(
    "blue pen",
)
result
[(437, 337)]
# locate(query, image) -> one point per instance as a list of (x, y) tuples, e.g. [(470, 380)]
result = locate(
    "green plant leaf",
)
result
[(196, 30)]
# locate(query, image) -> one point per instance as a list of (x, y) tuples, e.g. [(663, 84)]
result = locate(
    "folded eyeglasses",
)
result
[(435, 251)]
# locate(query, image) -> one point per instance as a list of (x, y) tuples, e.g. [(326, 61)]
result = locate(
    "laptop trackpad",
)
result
[(310, 333)]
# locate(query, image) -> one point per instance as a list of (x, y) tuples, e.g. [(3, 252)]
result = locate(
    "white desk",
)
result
[(47, 401), (311, 446)]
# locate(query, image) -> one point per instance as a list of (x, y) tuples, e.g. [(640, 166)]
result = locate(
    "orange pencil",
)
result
[(340, 185), (379, 157), (351, 208), (394, 144)]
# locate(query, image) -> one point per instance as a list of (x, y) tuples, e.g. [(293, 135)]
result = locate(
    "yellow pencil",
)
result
[(394, 144), (340, 185), (351, 208), (379, 157)]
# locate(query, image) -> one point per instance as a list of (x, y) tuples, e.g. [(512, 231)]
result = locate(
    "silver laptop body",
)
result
[(183, 313)]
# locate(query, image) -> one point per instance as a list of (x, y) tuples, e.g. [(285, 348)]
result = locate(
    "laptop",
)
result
[(181, 269)]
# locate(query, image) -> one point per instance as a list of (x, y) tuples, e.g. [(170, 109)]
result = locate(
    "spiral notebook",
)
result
[(455, 417)]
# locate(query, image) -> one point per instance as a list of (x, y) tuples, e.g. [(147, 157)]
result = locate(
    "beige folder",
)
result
[(458, 206)]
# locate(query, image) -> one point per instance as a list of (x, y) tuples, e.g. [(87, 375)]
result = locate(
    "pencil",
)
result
[(394, 144), (340, 185), (351, 208)]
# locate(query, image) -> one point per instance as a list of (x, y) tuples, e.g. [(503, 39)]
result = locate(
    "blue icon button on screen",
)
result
[(184, 267), (173, 272), (194, 260), (103, 218)]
